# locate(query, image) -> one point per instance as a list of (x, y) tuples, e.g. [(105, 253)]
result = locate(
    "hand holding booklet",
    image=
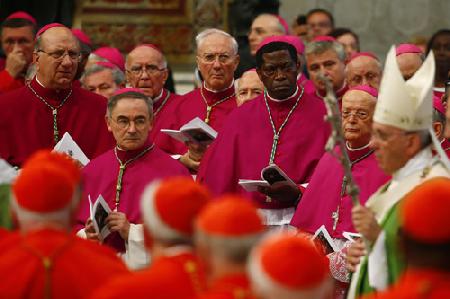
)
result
[(70, 147), (271, 175), (195, 130), (99, 212)]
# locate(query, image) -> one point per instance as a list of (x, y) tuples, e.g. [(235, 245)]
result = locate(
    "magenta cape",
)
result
[(100, 177), (163, 113), (26, 123), (322, 196), (192, 105), (243, 146)]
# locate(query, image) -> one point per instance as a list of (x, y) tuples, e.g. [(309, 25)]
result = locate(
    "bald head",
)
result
[(363, 70), (151, 79), (409, 63), (263, 26), (249, 86)]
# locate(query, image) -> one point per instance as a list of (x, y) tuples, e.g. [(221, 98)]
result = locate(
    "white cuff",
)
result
[(136, 255)]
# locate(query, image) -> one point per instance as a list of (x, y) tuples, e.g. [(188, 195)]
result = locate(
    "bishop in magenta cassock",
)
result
[(331, 206), (217, 60), (146, 69), (121, 174), (37, 115), (284, 126)]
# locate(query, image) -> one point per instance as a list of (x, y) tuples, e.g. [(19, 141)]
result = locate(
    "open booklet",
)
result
[(99, 211), (195, 130), (270, 175), (326, 240), (70, 147)]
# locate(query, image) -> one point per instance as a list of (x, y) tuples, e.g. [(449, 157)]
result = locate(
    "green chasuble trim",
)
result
[(5, 216), (395, 258)]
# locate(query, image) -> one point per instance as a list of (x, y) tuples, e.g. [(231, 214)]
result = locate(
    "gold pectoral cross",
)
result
[(335, 217), (119, 184), (55, 125), (208, 113)]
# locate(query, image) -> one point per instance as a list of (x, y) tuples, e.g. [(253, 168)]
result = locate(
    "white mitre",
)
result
[(407, 105)]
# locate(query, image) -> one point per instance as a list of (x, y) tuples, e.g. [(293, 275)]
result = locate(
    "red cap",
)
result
[(359, 54), (437, 104), (291, 261), (230, 216), (173, 204), (407, 48), (107, 64), (82, 37), (47, 27), (324, 38), (425, 212), (112, 55), (290, 39), (46, 183), (366, 88), (22, 15)]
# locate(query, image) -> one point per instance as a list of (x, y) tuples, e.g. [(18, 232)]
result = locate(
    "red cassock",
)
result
[(100, 178), (26, 122), (76, 266), (418, 284), (8, 83), (243, 147), (193, 105), (232, 286), (177, 276), (323, 194)]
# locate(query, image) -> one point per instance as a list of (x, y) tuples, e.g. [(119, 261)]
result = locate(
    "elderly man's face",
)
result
[(279, 72), (363, 70), (408, 64), (146, 70), (318, 24), (101, 83), (330, 65), (217, 61), (130, 123), (391, 145), (249, 86), (357, 113), (57, 59), (19, 39), (262, 27)]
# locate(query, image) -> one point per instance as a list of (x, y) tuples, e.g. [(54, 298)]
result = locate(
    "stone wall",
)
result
[(379, 23)]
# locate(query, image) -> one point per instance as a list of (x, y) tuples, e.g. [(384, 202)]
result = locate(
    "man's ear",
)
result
[(108, 123), (438, 128)]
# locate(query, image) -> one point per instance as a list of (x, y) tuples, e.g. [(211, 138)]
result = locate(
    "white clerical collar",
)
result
[(439, 89), (156, 99), (39, 82), (282, 100), (217, 91), (421, 160), (356, 149)]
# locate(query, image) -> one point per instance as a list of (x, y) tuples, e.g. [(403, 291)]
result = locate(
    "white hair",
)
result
[(200, 38), (117, 74)]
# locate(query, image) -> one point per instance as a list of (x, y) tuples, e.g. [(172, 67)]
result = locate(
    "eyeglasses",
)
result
[(210, 58), (361, 114), (124, 123), (59, 54), (150, 69)]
